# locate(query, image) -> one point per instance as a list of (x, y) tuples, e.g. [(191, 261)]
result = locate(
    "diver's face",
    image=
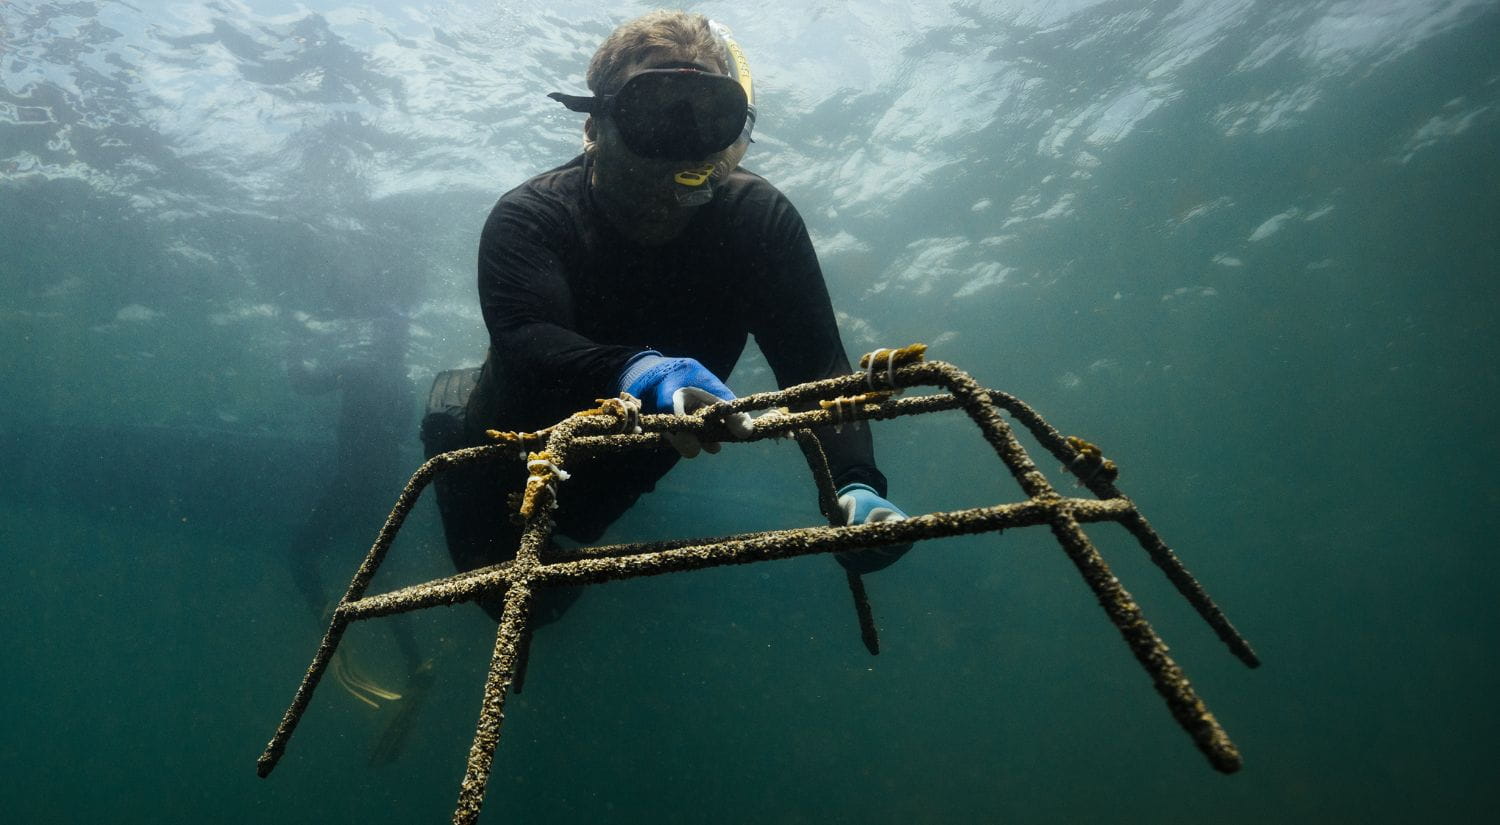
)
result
[(638, 193)]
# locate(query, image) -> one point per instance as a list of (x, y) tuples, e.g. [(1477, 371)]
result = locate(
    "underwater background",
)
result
[(1247, 247)]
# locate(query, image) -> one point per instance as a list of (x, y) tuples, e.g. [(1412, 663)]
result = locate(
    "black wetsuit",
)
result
[(568, 301)]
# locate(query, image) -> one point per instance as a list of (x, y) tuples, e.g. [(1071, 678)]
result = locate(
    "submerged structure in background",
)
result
[(616, 425)]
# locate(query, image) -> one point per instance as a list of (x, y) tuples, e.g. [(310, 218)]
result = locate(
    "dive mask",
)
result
[(671, 114)]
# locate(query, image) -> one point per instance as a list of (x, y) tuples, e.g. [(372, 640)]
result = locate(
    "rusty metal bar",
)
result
[(508, 642), (828, 503), (858, 397)]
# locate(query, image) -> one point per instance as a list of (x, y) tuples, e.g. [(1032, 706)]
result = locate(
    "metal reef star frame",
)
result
[(869, 395)]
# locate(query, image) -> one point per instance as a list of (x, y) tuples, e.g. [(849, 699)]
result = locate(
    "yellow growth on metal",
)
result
[(844, 407), (616, 426), (1091, 461), (910, 354)]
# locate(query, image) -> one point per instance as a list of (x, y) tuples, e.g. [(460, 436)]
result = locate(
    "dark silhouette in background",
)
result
[(376, 420), (376, 417)]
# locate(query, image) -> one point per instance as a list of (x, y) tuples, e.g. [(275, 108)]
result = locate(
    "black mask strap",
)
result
[(579, 103)]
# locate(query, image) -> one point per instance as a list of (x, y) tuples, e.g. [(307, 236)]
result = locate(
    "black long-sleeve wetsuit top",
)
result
[(568, 301)]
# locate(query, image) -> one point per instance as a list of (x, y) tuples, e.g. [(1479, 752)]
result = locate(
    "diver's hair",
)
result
[(682, 33)]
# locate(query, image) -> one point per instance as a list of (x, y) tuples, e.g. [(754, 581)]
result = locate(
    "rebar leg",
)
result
[(862, 609), (828, 502), (1189, 587), (1160, 553), (277, 746), (1189, 710), (492, 710)]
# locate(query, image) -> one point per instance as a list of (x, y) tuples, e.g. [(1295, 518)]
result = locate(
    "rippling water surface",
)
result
[(1249, 247)]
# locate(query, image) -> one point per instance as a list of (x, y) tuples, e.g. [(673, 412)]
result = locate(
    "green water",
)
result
[(1248, 249)]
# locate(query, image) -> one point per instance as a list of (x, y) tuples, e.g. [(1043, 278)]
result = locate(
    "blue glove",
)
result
[(862, 505), (654, 379), (679, 386)]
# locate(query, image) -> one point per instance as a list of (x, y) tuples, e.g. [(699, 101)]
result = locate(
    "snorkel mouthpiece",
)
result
[(695, 186)]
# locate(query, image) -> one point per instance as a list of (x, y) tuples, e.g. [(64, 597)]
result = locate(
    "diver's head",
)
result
[(671, 113), (654, 37)]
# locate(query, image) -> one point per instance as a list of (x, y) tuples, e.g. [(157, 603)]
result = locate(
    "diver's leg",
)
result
[(479, 532), (475, 524), (407, 643), (550, 603), (307, 549), (473, 500)]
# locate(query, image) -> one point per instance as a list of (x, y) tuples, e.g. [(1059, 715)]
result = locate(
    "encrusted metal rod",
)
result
[(656, 426), (867, 630), (387, 535), (817, 463), (492, 709), (638, 547), (1189, 710), (779, 426), (1048, 436), (976, 402), (300, 700), (464, 587), (1186, 707), (737, 549), (813, 391), (828, 503), (1101, 485), (404, 503), (970, 396), (362, 577), (1189, 587), (843, 400), (802, 541)]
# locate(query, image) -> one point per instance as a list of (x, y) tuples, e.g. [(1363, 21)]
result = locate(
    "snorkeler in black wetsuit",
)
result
[(375, 413), (644, 266)]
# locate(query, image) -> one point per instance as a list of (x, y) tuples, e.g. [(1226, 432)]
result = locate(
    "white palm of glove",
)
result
[(689, 400), (862, 505), (850, 507)]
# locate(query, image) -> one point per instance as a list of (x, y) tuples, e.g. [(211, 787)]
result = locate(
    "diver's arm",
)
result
[(796, 330), (802, 343), (528, 305)]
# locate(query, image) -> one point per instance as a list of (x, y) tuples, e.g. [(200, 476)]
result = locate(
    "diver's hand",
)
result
[(862, 505), (680, 386)]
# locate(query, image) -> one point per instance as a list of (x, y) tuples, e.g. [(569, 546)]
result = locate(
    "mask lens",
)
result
[(679, 114)]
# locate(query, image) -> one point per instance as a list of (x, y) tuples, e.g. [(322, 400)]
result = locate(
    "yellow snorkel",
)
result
[(695, 184), (739, 69)]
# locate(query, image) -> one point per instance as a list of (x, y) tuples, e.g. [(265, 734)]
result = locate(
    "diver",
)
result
[(376, 406), (643, 265)]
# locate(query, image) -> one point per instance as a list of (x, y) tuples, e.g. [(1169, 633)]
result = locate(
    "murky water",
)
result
[(1249, 248)]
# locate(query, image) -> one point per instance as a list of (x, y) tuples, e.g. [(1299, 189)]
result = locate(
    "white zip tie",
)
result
[(890, 367), (627, 408), (842, 416), (870, 367)]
